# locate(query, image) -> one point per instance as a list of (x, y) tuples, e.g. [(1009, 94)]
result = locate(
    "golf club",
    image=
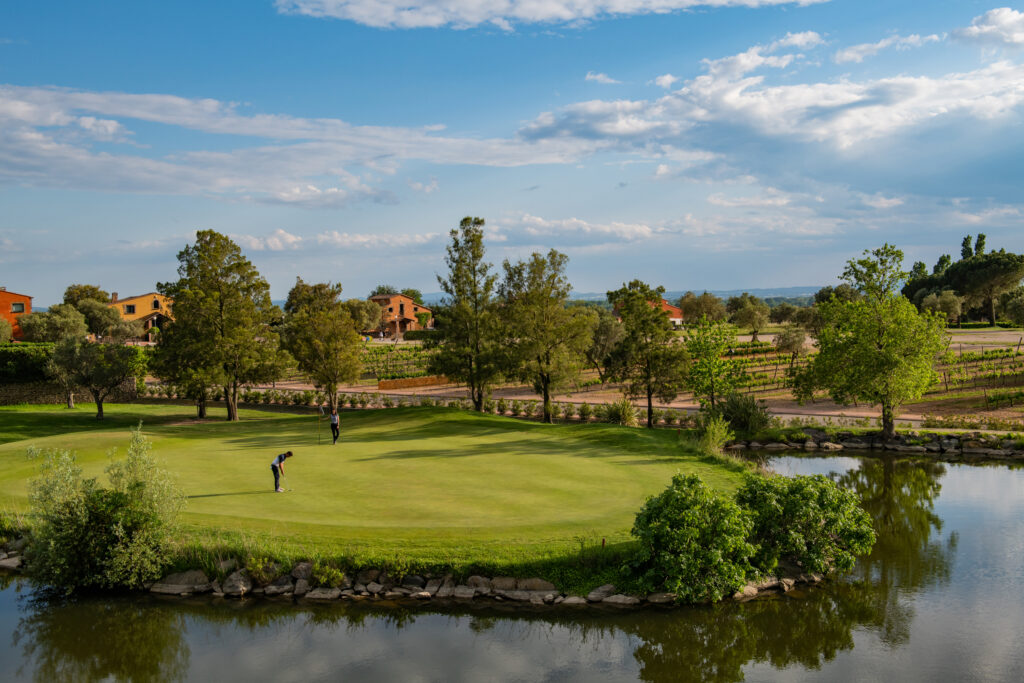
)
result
[(284, 480)]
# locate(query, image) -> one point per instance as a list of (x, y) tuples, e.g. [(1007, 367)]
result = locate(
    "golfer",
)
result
[(277, 467), (335, 425)]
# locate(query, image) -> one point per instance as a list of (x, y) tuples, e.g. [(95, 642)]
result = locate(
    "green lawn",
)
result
[(429, 485)]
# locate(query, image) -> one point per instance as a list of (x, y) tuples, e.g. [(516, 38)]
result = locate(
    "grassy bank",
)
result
[(405, 488)]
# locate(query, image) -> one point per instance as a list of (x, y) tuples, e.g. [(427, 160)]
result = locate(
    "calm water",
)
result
[(941, 598)]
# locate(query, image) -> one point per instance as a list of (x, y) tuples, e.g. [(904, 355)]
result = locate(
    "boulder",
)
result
[(479, 582), (282, 585), (504, 583), (810, 445), (11, 563), (855, 444), (537, 599), (414, 581), (420, 595), (599, 594), (323, 594), (787, 584), (620, 600), (228, 565), (464, 592), (303, 570), (367, 576), (17, 545), (301, 587), (911, 449), (432, 586), (446, 590), (746, 593), (933, 447), (776, 446), (736, 447), (393, 595), (574, 601), (550, 598), (830, 446), (534, 585), (767, 584), (238, 583), (754, 445), (192, 581), (374, 587), (661, 598)]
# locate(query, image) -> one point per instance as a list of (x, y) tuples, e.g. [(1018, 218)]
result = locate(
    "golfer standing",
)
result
[(277, 467), (335, 425)]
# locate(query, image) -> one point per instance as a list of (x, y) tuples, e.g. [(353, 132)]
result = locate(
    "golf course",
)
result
[(418, 485)]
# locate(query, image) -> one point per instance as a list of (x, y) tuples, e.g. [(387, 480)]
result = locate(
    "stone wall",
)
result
[(48, 392)]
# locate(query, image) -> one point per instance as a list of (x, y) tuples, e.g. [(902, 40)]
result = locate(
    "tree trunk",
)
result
[(650, 409), (546, 392), (888, 422), (201, 406), (98, 397), (231, 400), (753, 336)]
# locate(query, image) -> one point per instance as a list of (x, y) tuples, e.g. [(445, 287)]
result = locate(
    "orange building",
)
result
[(150, 309), (400, 313), (675, 314), (11, 306)]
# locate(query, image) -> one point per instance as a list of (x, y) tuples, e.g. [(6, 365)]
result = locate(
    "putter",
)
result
[(287, 486)]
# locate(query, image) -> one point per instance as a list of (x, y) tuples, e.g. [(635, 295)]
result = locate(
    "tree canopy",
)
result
[(706, 305), (75, 294), (414, 294), (384, 289), (59, 322), (711, 375)]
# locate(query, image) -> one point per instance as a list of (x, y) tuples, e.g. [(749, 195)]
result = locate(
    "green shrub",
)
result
[(585, 412), (326, 576), (808, 519), (262, 570), (621, 412), (364, 400), (388, 402), (427, 402), (10, 527), (416, 335), (502, 406), (568, 411), (353, 400), (516, 407), (269, 396), (86, 536), (743, 412), (692, 541), (24, 362), (489, 406), (714, 433)]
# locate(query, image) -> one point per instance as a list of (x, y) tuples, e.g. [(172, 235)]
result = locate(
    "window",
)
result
[(391, 309), (415, 308), (156, 304), (401, 308), (18, 308), (129, 309)]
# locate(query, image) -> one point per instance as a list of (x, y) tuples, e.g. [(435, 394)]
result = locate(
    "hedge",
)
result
[(24, 362), (413, 335)]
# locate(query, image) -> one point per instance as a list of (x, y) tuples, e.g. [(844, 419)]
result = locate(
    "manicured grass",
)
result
[(432, 486)]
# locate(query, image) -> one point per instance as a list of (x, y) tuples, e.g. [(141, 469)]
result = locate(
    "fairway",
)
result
[(429, 484)]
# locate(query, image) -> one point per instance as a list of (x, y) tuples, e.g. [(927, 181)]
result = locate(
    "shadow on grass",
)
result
[(218, 495)]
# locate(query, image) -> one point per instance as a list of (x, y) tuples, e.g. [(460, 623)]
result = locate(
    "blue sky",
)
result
[(719, 144)]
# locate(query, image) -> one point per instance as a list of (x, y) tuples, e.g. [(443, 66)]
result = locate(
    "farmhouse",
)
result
[(150, 309), (674, 313), (11, 306), (402, 314)]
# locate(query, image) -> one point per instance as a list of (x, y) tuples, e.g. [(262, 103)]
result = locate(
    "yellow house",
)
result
[(150, 309)]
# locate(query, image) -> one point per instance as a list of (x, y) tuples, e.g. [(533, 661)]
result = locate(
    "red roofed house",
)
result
[(401, 313), (11, 306), (675, 314)]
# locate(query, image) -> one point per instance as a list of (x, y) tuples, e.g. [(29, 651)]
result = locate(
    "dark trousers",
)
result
[(277, 476), (335, 431)]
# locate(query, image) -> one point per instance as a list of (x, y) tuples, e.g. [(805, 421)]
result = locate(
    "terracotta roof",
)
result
[(7, 291)]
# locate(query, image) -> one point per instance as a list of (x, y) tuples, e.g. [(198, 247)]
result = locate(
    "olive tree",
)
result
[(99, 368)]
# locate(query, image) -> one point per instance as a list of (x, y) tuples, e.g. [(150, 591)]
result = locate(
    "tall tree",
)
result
[(940, 266), (878, 349), (59, 322), (783, 313), (100, 368), (647, 359), (706, 305), (605, 336), (414, 294), (75, 294), (468, 344), (383, 289), (966, 250), (918, 270), (220, 295), (735, 303), (752, 316), (711, 375), (844, 292), (984, 277), (946, 302), (98, 316), (366, 315), (545, 339), (320, 334), (979, 244)]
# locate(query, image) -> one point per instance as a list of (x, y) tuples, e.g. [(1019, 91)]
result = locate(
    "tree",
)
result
[(385, 289), (98, 316), (947, 303), (61, 321), (979, 244), (844, 292), (605, 336), (183, 357), (940, 266), (984, 277), (546, 340), (706, 305), (100, 368), (319, 333), (966, 251), (414, 294), (75, 294), (735, 303), (879, 349), (469, 340), (366, 315), (711, 375), (6, 331), (221, 297), (752, 316), (647, 359), (792, 340), (918, 270), (783, 313)]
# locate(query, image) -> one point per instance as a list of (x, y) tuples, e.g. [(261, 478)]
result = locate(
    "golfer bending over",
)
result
[(277, 467)]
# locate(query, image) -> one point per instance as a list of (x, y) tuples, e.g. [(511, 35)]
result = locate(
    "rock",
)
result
[(787, 584), (815, 578), (393, 595), (432, 586), (479, 582), (359, 588), (599, 594), (932, 447), (855, 444), (767, 584), (303, 570), (11, 563), (3, 556), (776, 446), (754, 445), (621, 600), (574, 601), (420, 595), (525, 596), (504, 583), (367, 576), (746, 593), (830, 446), (560, 599), (447, 589), (534, 585), (192, 581), (911, 449), (414, 581), (536, 599), (301, 587), (238, 583), (404, 590), (323, 594), (280, 586), (736, 447), (549, 599), (949, 444), (374, 587), (661, 598), (17, 545), (810, 445)]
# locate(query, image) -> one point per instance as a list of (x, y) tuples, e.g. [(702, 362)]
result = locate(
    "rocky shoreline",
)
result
[(945, 446), (377, 586)]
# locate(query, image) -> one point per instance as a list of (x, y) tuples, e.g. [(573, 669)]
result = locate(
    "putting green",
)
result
[(427, 483)]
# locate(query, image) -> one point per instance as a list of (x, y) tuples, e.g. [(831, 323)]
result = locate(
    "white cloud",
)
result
[(501, 13), (335, 238), (771, 198), (857, 53), (1001, 27), (279, 240), (529, 230), (425, 188), (600, 78), (878, 201), (665, 81)]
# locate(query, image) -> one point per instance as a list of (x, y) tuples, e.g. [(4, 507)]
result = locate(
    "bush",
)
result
[(270, 396), (326, 576), (24, 362), (262, 570), (353, 401), (807, 519), (692, 542), (86, 536), (388, 402), (743, 412), (502, 406), (714, 434), (585, 412), (418, 335), (426, 402), (621, 412), (489, 406), (517, 407), (364, 400), (568, 411)]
